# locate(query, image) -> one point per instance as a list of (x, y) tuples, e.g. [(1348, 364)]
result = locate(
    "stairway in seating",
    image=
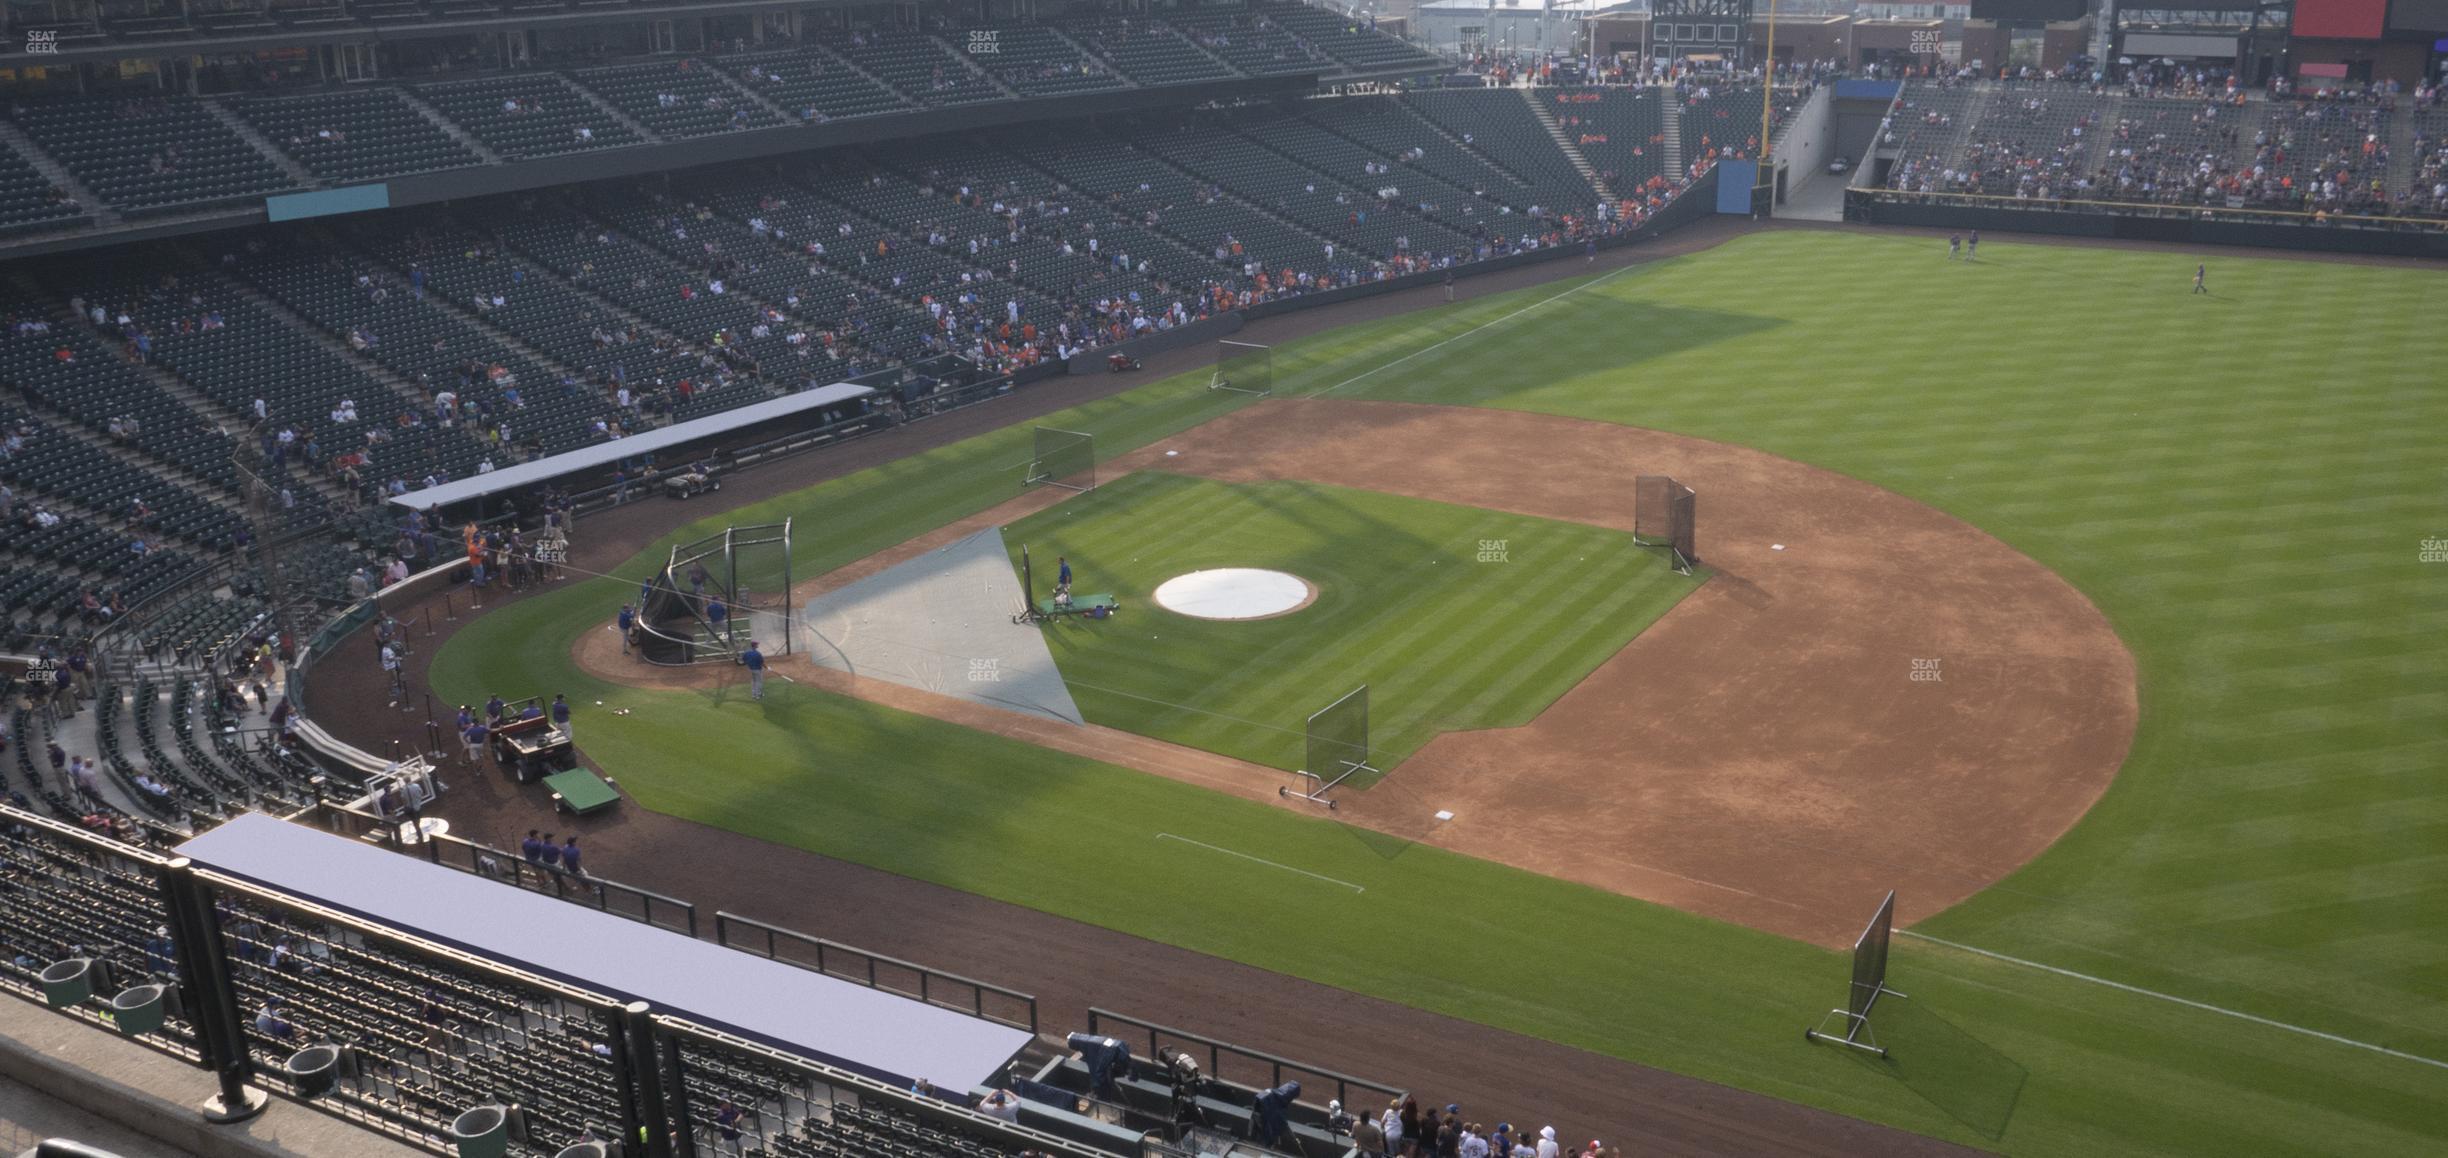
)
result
[(58, 174), (1678, 167), (289, 165), (449, 127), (1572, 152)]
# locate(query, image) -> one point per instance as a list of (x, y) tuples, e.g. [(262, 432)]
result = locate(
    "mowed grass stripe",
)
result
[(1406, 606)]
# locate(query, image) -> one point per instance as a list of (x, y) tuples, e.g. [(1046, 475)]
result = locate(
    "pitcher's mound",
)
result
[(1235, 593)]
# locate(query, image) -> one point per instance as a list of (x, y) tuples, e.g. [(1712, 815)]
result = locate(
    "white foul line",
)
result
[(1261, 860), (2185, 1001), (1481, 326)]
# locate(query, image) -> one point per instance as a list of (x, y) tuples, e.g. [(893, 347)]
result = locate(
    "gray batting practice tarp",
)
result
[(942, 622), (873, 1032)]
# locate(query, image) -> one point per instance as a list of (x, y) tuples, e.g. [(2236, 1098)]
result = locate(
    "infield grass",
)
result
[(1455, 617), (2242, 482)]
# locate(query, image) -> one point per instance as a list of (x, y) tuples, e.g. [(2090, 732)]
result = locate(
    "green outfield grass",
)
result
[(1448, 634), (2241, 481)]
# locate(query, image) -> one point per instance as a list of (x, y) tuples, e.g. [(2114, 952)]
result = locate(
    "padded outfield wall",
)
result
[(2176, 225)]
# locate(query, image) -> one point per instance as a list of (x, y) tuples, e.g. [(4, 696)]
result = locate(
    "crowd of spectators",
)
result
[(2185, 137)]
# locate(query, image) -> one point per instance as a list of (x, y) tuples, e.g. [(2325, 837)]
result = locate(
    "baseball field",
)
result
[(2175, 539)]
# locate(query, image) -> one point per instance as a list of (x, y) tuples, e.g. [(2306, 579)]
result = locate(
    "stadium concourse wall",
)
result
[(2172, 224)]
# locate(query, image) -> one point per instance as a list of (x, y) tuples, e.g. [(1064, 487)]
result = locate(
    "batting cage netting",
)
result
[(1246, 367), (1663, 514), (714, 595), (1062, 458)]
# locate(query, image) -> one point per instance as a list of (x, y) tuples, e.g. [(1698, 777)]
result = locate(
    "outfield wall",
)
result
[(1882, 207)]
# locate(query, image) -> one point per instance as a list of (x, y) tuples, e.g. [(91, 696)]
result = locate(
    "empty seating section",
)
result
[(151, 153), (257, 355), (1350, 39), (356, 134), (58, 900), (1033, 60), (1391, 129), (99, 389), (1621, 130), (70, 555), (1253, 43), (57, 465), (1415, 190), (1346, 212), (945, 250), (917, 65), (675, 99), (1069, 251), (812, 85), (696, 301), (435, 347), (1191, 212), (29, 200), (816, 252), (1500, 125), (534, 115), (434, 1038), (1089, 228), (1149, 52), (471, 270)]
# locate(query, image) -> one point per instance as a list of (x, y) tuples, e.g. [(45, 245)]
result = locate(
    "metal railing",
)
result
[(1244, 1061), (777, 1089), (644, 906), (406, 1036), (877, 971)]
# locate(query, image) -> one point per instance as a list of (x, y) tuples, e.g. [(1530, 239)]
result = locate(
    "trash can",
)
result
[(585, 1150), (139, 1008), (69, 982), (483, 1132), (314, 1070)]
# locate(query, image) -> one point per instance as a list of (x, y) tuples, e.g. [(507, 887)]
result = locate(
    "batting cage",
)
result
[(1062, 458), (1663, 513), (1337, 748), (1246, 367), (714, 595), (1869, 984)]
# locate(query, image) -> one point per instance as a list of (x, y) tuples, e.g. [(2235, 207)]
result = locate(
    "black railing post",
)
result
[(676, 1104), (210, 994), (646, 1129)]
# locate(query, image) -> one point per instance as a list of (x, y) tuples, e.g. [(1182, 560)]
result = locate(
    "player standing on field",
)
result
[(2199, 273)]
